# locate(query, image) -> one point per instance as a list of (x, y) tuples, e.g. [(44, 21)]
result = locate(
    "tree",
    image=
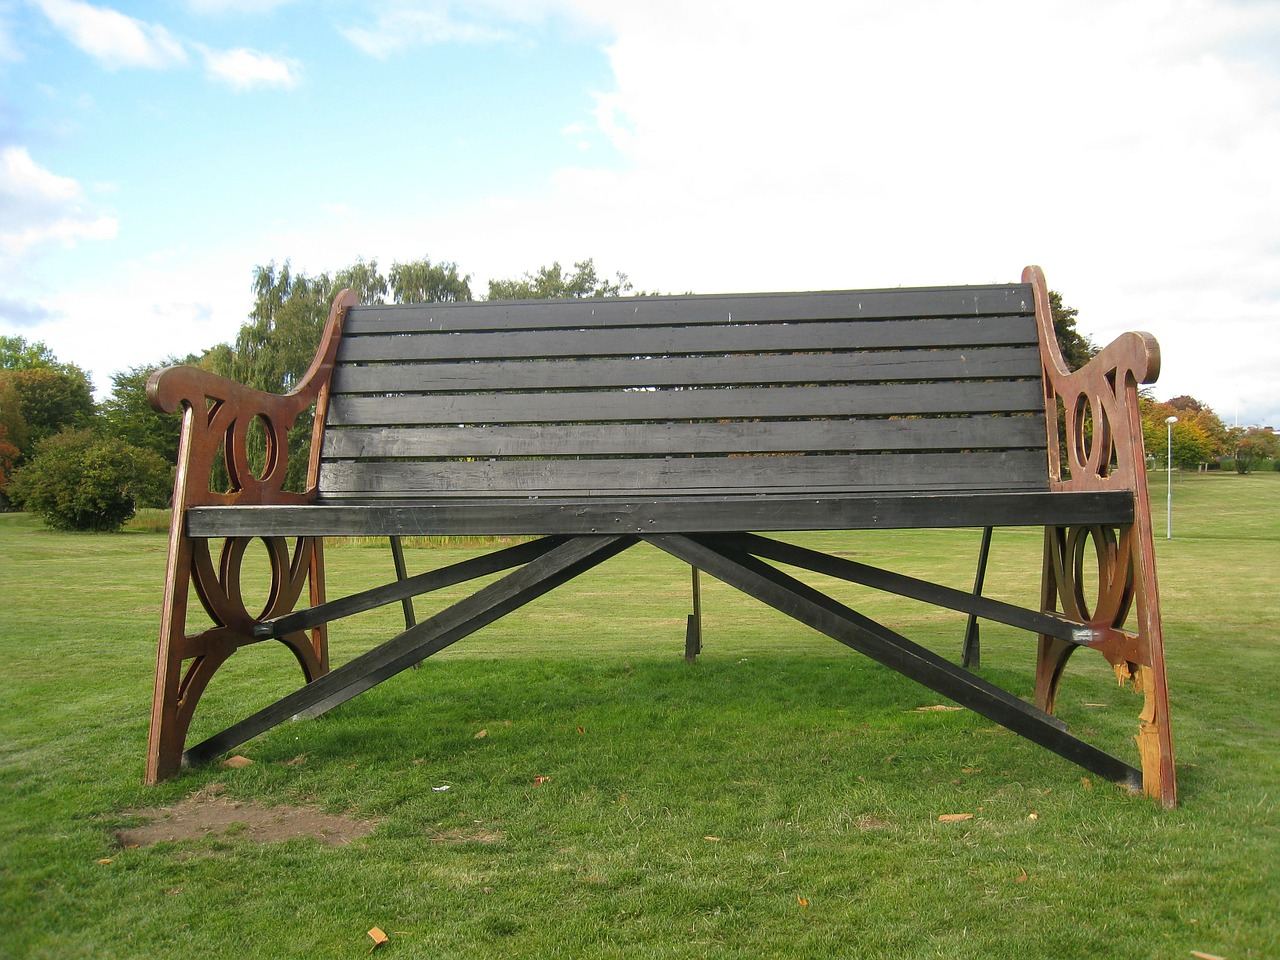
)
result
[(1250, 444), (8, 458), (1077, 348), (1199, 435), (421, 281), (550, 283), (128, 414), (81, 480), (17, 354), (50, 398)]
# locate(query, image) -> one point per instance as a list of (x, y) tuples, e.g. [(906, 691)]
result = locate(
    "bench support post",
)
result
[(402, 574), (971, 652), (693, 630)]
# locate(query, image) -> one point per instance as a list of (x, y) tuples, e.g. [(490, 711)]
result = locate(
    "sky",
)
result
[(152, 154)]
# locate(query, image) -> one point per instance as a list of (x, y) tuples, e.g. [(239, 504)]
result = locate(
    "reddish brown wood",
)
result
[(216, 415), (1102, 425)]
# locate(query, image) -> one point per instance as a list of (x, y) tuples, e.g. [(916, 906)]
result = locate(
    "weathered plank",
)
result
[(610, 514), (976, 471), (712, 403), (878, 366), (678, 340), (766, 436), (688, 310)]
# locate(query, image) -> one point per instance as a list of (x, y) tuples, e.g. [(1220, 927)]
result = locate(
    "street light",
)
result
[(1168, 513)]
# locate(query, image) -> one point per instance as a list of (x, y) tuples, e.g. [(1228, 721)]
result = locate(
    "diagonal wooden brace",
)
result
[(488, 604), (801, 602)]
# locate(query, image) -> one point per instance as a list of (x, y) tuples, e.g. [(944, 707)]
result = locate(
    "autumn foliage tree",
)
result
[(1198, 436)]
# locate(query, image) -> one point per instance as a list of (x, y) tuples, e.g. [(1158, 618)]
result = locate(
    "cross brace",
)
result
[(735, 559)]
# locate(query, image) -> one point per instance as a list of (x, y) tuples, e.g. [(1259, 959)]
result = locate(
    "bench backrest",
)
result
[(877, 391)]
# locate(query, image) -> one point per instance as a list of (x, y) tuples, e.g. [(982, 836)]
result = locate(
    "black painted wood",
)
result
[(926, 591), (405, 588), (813, 608), (606, 514), (1010, 470), (690, 310), (845, 435), (426, 343), (876, 366), (707, 404), (558, 566)]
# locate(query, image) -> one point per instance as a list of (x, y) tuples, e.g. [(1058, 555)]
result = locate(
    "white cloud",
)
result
[(112, 38), (1130, 147), (245, 69), (404, 25), (41, 207), (220, 7)]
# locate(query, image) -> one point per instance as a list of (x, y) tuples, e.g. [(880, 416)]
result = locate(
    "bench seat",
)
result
[(760, 512)]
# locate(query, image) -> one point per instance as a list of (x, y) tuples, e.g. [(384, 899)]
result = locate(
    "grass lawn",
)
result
[(781, 797)]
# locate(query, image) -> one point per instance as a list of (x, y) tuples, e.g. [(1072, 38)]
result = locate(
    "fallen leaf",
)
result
[(971, 770), (937, 707), (802, 901), (712, 839), (1206, 956), (105, 860), (954, 817), (378, 937), (482, 734), (580, 730), (1088, 784), (1033, 815), (1021, 877), (539, 781), (237, 762)]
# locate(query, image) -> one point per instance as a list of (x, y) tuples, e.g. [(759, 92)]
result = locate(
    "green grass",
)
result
[(808, 765)]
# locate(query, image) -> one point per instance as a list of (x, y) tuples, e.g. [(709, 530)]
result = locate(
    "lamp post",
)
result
[(1168, 533)]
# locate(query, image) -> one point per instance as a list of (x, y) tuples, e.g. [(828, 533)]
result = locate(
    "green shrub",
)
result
[(81, 480)]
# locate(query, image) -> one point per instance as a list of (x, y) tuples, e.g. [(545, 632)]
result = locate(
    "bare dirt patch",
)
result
[(467, 835), (207, 813)]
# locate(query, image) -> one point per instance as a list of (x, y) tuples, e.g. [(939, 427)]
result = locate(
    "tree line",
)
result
[(81, 465), (86, 466)]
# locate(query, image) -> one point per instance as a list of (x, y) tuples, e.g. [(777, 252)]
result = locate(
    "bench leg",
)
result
[(971, 651), (693, 629), (187, 662), (1122, 563)]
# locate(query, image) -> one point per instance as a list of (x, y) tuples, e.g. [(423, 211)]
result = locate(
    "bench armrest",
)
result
[(1097, 406), (218, 413)]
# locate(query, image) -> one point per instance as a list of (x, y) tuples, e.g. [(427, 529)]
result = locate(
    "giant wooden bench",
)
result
[(695, 424)]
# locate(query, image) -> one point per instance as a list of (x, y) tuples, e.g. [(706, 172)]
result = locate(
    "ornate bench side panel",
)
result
[(1094, 437), (218, 415)]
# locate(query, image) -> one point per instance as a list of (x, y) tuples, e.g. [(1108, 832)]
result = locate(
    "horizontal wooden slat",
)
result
[(689, 310), (871, 366), (552, 440), (667, 340), (1007, 470), (535, 517), (707, 404)]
